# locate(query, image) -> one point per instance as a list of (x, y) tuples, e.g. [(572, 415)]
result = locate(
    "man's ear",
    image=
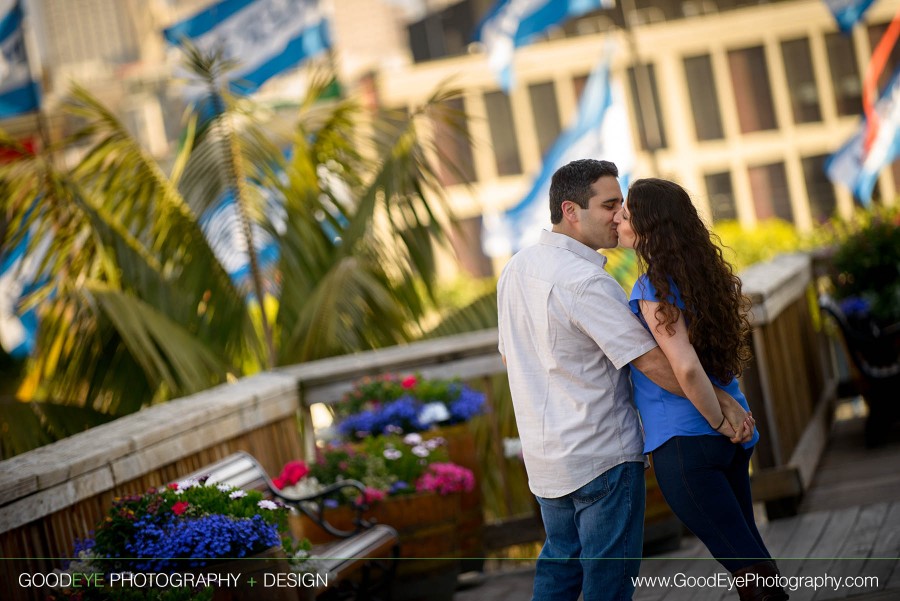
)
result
[(570, 211)]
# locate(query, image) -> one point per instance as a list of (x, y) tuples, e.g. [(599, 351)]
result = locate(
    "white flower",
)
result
[(305, 487), (237, 494), (179, 491), (392, 429), (392, 454), (185, 484), (267, 504), (420, 451), (412, 439), (433, 412), (433, 443), (512, 447), (224, 487)]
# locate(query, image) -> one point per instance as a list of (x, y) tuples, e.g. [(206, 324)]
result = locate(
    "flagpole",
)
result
[(643, 88)]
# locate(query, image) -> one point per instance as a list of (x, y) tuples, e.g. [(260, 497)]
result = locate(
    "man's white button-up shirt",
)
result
[(567, 334)]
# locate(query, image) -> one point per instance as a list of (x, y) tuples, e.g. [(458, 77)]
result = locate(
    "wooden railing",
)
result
[(791, 383), (52, 495)]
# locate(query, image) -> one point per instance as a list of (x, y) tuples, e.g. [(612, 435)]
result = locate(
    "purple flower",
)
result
[(398, 486)]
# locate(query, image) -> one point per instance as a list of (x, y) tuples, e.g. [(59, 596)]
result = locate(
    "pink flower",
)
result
[(446, 478), (409, 382), (279, 482), (292, 473), (372, 495), (180, 507), (172, 486)]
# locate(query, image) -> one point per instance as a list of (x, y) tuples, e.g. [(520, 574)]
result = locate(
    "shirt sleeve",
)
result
[(642, 290), (645, 290), (601, 311)]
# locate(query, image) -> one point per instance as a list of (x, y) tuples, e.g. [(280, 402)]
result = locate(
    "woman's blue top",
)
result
[(664, 414)]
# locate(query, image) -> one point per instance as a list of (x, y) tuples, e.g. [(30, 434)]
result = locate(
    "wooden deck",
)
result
[(848, 527)]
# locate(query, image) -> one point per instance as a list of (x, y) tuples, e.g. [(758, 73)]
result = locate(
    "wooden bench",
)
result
[(361, 562)]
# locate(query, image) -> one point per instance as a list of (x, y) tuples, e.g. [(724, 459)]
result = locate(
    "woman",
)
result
[(691, 302)]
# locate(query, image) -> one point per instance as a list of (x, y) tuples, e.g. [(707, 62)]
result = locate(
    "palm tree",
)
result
[(137, 307)]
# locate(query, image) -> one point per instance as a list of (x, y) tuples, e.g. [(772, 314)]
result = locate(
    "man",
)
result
[(566, 334)]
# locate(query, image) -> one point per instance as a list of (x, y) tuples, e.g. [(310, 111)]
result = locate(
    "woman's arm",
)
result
[(687, 368)]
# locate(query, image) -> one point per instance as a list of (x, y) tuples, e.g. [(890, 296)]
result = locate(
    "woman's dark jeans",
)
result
[(705, 481)]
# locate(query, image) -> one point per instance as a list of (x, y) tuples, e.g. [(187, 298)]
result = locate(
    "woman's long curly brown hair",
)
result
[(673, 242)]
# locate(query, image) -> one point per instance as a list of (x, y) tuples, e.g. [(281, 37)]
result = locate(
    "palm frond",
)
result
[(480, 314), (169, 354), (27, 426), (352, 308)]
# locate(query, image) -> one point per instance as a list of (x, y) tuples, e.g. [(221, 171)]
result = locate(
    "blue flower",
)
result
[(854, 306), (365, 421), (451, 403), (83, 544), (468, 404), (157, 545), (402, 413)]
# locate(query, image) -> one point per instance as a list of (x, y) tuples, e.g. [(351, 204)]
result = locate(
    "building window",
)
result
[(452, 140), (801, 80), (819, 189), (752, 90), (645, 102), (503, 133), (721, 196), (704, 102), (443, 33), (844, 73), (771, 197), (545, 111)]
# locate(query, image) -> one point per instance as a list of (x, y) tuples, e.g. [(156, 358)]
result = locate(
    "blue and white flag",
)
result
[(857, 169), (265, 36), (221, 224), (514, 23), (19, 276), (601, 131), (848, 13), (18, 93)]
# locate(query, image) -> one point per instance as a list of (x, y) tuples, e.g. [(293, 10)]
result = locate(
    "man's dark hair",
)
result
[(573, 182)]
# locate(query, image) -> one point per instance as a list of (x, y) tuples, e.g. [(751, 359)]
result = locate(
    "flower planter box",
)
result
[(462, 451)]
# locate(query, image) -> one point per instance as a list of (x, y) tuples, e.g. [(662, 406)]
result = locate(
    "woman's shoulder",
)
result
[(645, 290)]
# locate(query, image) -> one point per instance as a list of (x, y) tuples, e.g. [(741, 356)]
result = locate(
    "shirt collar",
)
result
[(571, 244)]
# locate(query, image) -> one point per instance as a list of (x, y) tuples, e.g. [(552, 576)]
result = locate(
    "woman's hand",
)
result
[(738, 431), (741, 421)]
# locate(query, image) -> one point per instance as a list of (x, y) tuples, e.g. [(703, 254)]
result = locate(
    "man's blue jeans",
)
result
[(594, 539)]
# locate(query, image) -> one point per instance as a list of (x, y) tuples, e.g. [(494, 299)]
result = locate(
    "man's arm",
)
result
[(657, 368)]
